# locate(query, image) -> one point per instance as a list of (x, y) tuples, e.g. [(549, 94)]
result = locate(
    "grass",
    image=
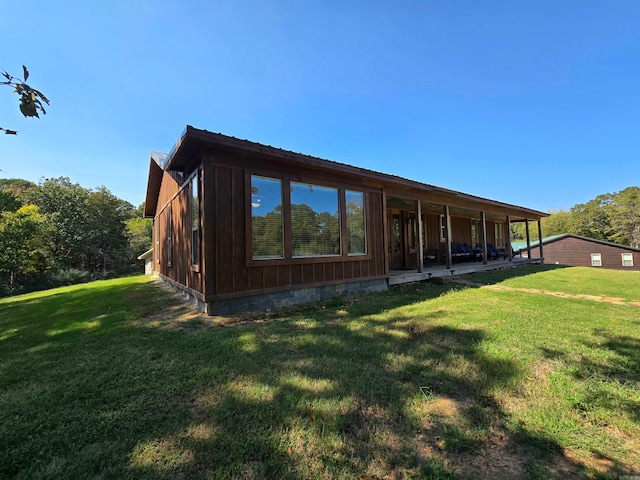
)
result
[(424, 381)]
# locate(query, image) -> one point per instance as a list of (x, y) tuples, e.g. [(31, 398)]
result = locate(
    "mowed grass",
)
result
[(423, 381)]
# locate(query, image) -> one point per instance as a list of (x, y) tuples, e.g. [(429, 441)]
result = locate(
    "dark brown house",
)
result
[(243, 226), (574, 250)]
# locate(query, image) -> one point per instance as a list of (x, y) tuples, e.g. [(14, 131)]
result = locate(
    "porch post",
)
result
[(540, 237), (420, 238), (508, 248), (447, 219), (385, 232), (483, 220), (526, 226)]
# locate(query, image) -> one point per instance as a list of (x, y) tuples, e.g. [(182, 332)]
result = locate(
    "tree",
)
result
[(624, 217), (65, 205), (31, 100), (139, 231), (592, 219), (23, 242)]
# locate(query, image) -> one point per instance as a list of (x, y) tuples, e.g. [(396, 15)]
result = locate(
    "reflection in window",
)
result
[(195, 222), (413, 231), (315, 220), (395, 233), (266, 218), (356, 223)]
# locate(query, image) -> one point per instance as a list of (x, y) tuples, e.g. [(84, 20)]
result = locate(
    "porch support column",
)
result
[(420, 238), (507, 247), (483, 221), (386, 241), (526, 226), (447, 219), (540, 237)]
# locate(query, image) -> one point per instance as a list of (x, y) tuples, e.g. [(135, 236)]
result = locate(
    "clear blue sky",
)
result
[(535, 103)]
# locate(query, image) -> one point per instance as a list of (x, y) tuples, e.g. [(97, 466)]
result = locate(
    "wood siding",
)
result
[(226, 229), (577, 252), (180, 270)]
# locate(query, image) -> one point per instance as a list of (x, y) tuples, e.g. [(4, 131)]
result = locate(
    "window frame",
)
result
[(288, 258), (593, 259), (631, 259)]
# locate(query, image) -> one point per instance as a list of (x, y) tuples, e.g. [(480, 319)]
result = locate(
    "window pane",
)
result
[(266, 218), (596, 260), (315, 220), (627, 260), (356, 223), (195, 222)]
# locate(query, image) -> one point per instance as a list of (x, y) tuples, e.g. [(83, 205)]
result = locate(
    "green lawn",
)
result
[(424, 381)]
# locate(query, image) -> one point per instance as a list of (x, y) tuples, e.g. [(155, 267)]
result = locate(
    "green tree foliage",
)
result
[(314, 233), (592, 219), (139, 231), (267, 234), (23, 237), (612, 217), (32, 101), (89, 230), (8, 201), (58, 232), (624, 216)]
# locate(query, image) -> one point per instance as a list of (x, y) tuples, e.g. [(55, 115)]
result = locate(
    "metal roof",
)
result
[(553, 238), (193, 140)]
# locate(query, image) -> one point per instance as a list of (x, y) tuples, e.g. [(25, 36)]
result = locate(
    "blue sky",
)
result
[(531, 103)]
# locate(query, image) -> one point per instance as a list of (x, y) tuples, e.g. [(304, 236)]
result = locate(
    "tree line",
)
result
[(57, 232), (612, 217)]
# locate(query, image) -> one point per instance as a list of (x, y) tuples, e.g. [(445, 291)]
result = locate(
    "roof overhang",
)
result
[(153, 184), (194, 141)]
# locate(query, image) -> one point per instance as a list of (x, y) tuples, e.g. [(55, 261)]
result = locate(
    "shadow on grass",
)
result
[(496, 276), (367, 393)]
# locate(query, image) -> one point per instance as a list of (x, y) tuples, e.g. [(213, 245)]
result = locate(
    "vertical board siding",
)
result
[(180, 270), (240, 273), (224, 230), (233, 274), (577, 252)]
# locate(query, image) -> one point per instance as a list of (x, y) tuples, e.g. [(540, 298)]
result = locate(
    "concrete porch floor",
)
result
[(397, 277)]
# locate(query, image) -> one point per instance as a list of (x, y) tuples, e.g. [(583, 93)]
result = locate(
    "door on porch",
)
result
[(403, 239)]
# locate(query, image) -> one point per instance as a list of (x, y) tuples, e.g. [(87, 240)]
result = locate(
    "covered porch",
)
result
[(435, 236)]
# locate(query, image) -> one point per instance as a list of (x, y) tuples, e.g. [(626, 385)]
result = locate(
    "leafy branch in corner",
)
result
[(31, 100)]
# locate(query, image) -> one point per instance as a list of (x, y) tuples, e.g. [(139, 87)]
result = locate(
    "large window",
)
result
[(627, 259), (266, 218), (315, 220), (195, 221), (296, 220), (596, 260), (356, 223)]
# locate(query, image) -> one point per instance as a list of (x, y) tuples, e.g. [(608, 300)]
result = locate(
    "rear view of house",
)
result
[(244, 226)]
